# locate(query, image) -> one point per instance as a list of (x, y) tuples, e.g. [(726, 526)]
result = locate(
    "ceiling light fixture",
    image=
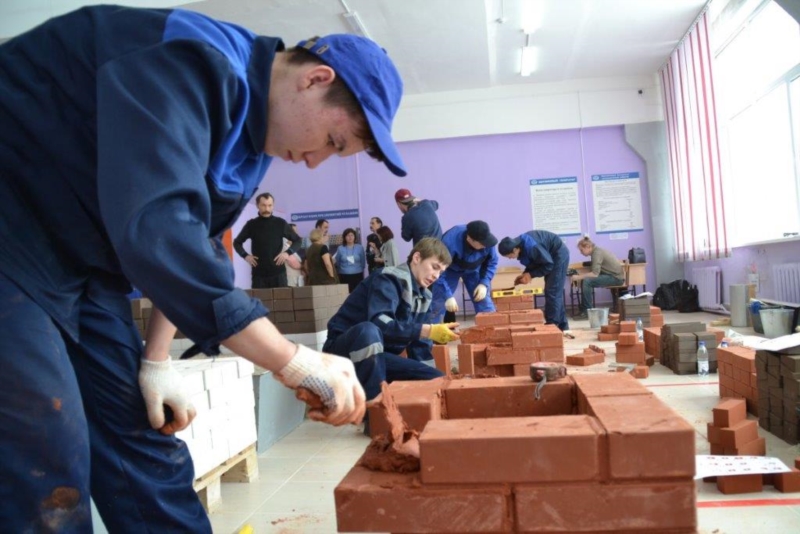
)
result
[(529, 60), (532, 15), (356, 24)]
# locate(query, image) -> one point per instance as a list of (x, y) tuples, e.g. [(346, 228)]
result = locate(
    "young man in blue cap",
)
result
[(385, 314), (543, 254), (474, 262), (130, 140)]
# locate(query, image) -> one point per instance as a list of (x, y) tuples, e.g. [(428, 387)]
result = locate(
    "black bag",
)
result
[(677, 295), (688, 298), (665, 297), (636, 255)]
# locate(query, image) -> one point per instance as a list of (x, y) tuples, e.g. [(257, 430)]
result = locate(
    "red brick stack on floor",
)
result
[(737, 375), (732, 434), (506, 343), (495, 459), (590, 356), (631, 351)]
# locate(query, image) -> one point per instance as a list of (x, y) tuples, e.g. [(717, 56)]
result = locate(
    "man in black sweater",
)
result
[(266, 233)]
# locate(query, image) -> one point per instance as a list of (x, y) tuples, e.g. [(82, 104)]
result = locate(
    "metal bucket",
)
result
[(598, 317), (777, 322)]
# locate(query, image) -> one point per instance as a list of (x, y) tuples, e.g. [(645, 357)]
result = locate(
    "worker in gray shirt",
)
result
[(606, 272)]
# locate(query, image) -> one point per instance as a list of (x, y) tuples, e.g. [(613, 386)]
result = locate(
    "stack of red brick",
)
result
[(513, 303), (732, 434), (506, 343), (495, 459), (590, 356), (737, 375), (652, 341)]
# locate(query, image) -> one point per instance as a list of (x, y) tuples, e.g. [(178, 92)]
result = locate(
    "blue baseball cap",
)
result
[(368, 72)]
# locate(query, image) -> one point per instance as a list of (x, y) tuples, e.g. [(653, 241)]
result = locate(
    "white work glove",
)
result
[(161, 384), (332, 379), (480, 293), (451, 305)]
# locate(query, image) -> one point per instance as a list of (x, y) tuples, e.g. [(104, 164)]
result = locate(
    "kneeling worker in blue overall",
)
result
[(385, 314)]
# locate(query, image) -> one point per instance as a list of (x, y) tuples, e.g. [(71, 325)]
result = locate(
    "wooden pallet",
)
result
[(242, 467), (516, 292)]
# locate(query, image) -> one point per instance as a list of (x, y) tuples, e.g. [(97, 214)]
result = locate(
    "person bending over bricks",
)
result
[(385, 314), (543, 254), (474, 262)]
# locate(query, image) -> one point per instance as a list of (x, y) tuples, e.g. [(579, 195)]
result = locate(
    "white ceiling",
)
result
[(449, 45)]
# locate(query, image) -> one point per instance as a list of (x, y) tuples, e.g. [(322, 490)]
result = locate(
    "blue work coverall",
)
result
[(378, 321), (130, 140), (544, 254), (421, 221), (472, 266)]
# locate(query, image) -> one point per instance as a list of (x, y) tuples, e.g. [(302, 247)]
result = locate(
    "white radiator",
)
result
[(787, 282), (709, 286)]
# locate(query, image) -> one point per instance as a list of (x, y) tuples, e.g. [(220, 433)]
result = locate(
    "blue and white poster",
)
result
[(555, 205), (617, 202), (333, 214)]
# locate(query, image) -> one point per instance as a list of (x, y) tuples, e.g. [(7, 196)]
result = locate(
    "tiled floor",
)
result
[(294, 493)]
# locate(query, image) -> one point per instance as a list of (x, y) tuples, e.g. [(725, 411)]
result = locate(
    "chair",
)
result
[(637, 276), (616, 291)]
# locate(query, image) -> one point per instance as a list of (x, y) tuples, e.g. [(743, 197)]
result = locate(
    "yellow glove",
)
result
[(451, 305), (480, 293), (443, 333)]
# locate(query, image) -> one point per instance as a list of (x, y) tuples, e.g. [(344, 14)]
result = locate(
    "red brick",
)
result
[(503, 354), (736, 484), (491, 319), (788, 482), (797, 462), (591, 385), (637, 424), (557, 448), (507, 397), (738, 434), (586, 359), (641, 371), (606, 337), (537, 340), (441, 356), (713, 434), (527, 316), (729, 412), (471, 356), (606, 508), (627, 326), (418, 401), (627, 338), (610, 329), (757, 447), (371, 501), (655, 310)]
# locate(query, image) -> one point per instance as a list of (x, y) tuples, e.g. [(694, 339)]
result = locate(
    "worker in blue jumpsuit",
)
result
[(544, 254), (474, 262), (130, 141), (385, 314)]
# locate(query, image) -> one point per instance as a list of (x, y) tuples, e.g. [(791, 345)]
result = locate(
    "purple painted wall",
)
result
[(734, 269), (483, 177)]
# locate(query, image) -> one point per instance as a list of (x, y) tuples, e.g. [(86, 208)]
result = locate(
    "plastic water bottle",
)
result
[(639, 329), (702, 359)]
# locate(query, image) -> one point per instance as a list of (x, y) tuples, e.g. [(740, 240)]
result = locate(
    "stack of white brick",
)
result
[(221, 390)]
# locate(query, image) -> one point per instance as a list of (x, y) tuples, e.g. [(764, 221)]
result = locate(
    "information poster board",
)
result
[(555, 205), (617, 202)]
